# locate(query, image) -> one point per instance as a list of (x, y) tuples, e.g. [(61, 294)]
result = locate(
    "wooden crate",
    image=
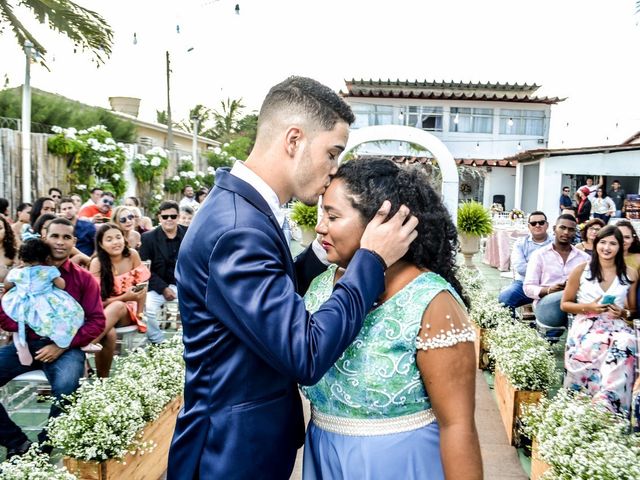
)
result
[(538, 466), (510, 403), (482, 348), (149, 466)]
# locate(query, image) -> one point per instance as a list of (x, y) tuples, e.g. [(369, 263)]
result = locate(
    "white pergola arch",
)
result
[(433, 144)]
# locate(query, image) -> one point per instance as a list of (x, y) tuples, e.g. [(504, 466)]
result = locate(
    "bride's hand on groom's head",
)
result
[(390, 239)]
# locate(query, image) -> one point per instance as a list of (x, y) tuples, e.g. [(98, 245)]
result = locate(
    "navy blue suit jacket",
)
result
[(249, 339)]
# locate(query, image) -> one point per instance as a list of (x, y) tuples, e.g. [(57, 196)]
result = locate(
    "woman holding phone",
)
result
[(601, 347), (123, 287)]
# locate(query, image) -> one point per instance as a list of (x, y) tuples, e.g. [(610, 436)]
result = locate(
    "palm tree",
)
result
[(226, 119), (87, 29)]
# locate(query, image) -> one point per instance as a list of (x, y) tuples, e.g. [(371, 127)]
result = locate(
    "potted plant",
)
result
[(474, 221), (121, 426), (525, 369), (306, 218), (575, 439)]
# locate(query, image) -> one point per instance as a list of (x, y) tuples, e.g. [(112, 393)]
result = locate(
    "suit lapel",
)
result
[(226, 181)]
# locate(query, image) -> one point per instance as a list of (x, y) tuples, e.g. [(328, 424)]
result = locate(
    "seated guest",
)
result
[(23, 213), (62, 367), (601, 346), (126, 220), (84, 231), (100, 212), (565, 199), (588, 233), (143, 223), (548, 270), (188, 198), (41, 206), (161, 246), (513, 296), (123, 289)]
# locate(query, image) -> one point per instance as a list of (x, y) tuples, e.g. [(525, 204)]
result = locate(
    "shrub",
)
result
[(474, 219)]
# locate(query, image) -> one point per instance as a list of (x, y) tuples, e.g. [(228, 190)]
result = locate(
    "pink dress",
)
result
[(126, 280)]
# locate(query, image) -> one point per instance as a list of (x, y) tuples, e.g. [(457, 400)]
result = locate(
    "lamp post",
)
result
[(169, 126), (194, 146), (26, 123)]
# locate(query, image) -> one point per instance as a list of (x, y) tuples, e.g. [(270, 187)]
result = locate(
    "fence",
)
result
[(47, 170)]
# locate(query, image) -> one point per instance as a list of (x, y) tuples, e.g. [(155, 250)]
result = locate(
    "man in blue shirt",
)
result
[(565, 198), (513, 296), (84, 231)]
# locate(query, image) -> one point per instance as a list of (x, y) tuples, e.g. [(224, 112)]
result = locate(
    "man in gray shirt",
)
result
[(618, 195)]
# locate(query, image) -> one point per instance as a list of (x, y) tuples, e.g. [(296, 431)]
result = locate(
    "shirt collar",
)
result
[(241, 171), (66, 265)]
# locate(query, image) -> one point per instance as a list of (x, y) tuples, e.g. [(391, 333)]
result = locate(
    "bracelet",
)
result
[(380, 259)]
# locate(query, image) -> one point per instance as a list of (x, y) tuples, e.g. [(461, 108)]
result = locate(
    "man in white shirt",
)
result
[(188, 198), (592, 188)]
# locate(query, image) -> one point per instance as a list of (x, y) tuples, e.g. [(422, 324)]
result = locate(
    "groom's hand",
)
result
[(392, 238)]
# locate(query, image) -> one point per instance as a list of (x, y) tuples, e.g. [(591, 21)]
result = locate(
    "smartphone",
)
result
[(608, 299), (139, 286)]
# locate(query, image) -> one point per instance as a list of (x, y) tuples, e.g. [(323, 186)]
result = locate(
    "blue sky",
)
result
[(585, 50)]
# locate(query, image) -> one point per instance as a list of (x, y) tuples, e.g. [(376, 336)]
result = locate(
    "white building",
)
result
[(541, 174), (480, 123)]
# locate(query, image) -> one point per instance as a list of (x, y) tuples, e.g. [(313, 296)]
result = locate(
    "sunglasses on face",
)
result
[(172, 216), (538, 223), (128, 217), (107, 201)]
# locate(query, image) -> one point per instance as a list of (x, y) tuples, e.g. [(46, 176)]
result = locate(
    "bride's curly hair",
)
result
[(371, 181)]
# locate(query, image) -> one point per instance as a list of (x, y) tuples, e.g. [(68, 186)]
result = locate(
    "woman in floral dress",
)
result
[(601, 345), (399, 402)]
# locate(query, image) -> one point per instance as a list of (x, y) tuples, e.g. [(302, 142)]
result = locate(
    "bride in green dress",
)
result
[(399, 402)]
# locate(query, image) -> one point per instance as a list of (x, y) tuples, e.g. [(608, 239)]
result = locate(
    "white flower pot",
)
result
[(469, 246)]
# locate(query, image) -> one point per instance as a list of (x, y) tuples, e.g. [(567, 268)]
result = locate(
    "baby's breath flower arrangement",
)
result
[(522, 356), (104, 418), (33, 465), (581, 440), (485, 310), (471, 280)]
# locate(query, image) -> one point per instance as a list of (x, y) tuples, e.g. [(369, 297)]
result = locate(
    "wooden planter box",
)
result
[(538, 466), (482, 348), (149, 466), (510, 403)]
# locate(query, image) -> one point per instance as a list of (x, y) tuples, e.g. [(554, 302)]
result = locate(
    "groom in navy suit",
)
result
[(249, 340)]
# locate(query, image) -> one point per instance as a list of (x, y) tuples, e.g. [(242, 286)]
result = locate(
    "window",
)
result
[(522, 122), (367, 115), (426, 118), (471, 120)]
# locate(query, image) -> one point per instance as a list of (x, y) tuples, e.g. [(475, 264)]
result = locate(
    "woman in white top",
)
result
[(602, 206), (601, 346)]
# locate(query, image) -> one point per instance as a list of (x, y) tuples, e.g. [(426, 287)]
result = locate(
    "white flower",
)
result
[(217, 150), (83, 132), (56, 129), (115, 176), (109, 141), (191, 174), (120, 145), (144, 163), (155, 161), (232, 158), (184, 174), (175, 178), (139, 157), (186, 158), (81, 186), (158, 197), (211, 170)]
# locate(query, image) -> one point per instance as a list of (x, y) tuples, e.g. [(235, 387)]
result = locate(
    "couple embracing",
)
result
[(380, 343)]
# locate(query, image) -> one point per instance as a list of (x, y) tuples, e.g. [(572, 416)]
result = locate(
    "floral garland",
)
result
[(94, 159), (103, 419), (516, 214), (148, 169), (187, 175), (33, 465)]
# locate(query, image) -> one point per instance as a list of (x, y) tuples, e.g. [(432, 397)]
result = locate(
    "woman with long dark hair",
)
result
[(23, 214), (123, 288), (40, 207), (601, 347), (8, 248), (588, 234), (399, 402)]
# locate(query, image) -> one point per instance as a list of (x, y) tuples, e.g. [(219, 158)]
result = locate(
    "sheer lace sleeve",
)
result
[(444, 324)]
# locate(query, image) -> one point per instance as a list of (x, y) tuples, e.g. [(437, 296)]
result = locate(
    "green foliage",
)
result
[(93, 159), (148, 169), (85, 28), (304, 215), (48, 109), (474, 219), (188, 176), (226, 120)]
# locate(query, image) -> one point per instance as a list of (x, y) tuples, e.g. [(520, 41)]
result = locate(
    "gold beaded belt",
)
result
[(368, 427)]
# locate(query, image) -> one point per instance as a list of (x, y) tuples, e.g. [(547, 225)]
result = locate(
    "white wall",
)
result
[(612, 164), (500, 181)]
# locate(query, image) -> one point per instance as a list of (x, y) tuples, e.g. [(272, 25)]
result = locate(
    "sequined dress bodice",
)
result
[(377, 375)]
